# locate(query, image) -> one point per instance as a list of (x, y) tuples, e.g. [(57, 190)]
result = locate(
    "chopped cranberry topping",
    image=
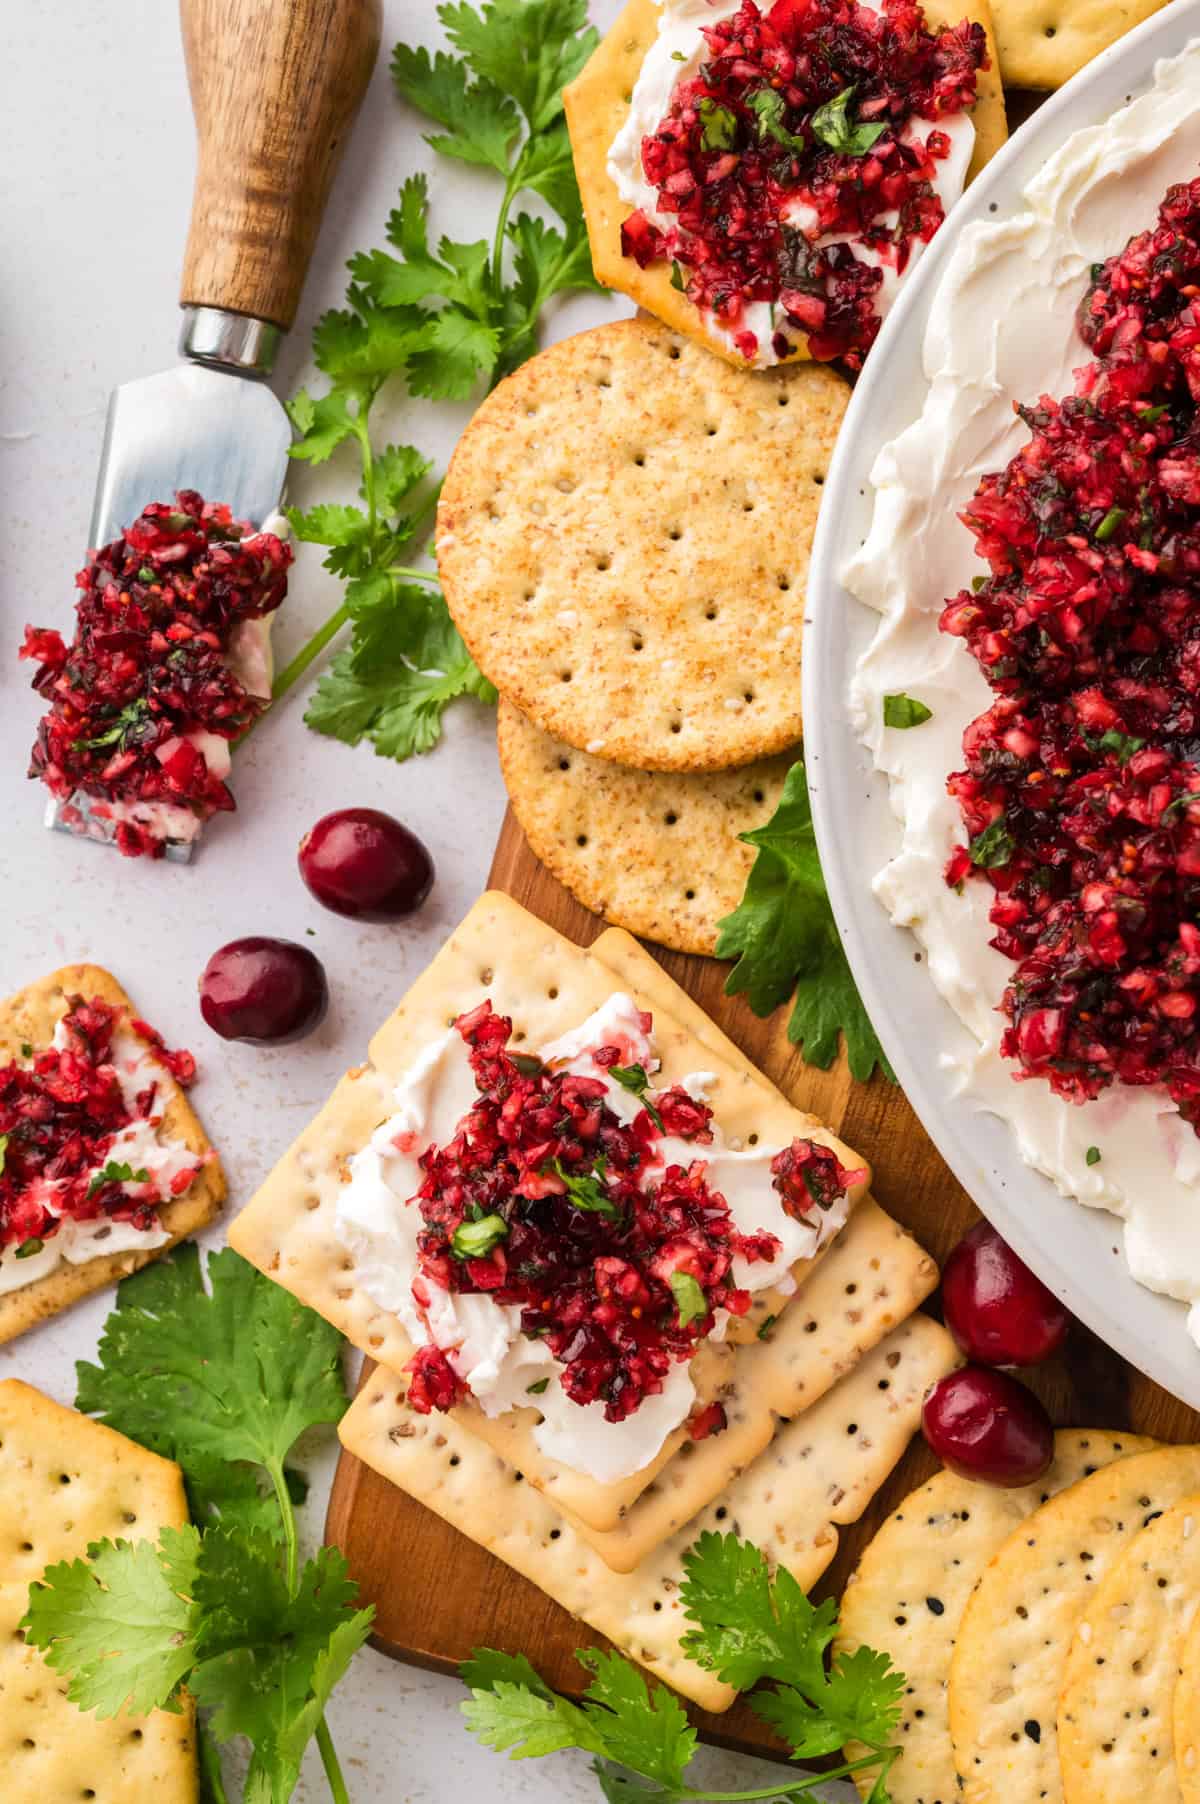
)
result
[(60, 1112), (549, 1202), (432, 1381), (710, 1421), (147, 672), (1081, 792), (794, 132)]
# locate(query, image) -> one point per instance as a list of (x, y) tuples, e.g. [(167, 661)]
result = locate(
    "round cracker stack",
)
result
[(623, 541), (652, 851)]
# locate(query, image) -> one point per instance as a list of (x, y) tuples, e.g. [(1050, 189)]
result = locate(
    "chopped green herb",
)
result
[(1109, 524), (527, 1063), (718, 125), (904, 711), (769, 107), (690, 1299), (677, 280), (1184, 801), (586, 1190), (993, 847), (765, 1326), (1124, 745), (116, 1172), (28, 1248), (124, 724), (537, 1387), (832, 124), (1152, 415), (146, 574), (678, 56), (634, 1079), (977, 583), (475, 1239), (1093, 1155), (26, 1050)]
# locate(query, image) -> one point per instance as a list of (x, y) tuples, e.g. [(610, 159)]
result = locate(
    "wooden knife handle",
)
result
[(275, 87)]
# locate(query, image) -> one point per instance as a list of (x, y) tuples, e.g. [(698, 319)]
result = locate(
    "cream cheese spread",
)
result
[(379, 1224), (1002, 328), (676, 55)]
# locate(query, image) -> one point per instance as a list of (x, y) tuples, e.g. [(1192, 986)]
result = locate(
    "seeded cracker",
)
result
[(1042, 43), (597, 104), (821, 1470), (651, 851), (623, 540), (1010, 1659), (64, 1482), (547, 985), (909, 1590), (1186, 1717), (29, 1019)]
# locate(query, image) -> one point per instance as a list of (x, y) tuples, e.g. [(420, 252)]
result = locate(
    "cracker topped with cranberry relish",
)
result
[(102, 1161), (781, 165), (169, 664)]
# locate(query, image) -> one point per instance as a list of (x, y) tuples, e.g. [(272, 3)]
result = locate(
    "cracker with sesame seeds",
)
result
[(1115, 1730), (819, 1472), (653, 851), (1011, 1651), (65, 1482), (597, 106), (908, 1592), (623, 540)]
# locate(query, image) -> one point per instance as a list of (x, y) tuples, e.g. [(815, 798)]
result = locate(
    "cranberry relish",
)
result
[(801, 114), (1081, 792), (618, 1273), (60, 1112), (148, 669)]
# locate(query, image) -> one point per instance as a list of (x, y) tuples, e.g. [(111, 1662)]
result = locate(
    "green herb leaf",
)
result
[(993, 847), (1152, 415), (475, 1239), (634, 1079), (903, 711), (116, 1172), (1092, 1156), (1180, 803), (718, 125), (769, 107), (538, 1387), (26, 1053), (785, 940), (1109, 524), (765, 1327), (690, 1299), (28, 1248), (125, 724), (480, 121), (586, 1189), (832, 124)]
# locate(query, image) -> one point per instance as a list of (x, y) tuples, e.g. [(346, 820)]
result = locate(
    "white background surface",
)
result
[(95, 174)]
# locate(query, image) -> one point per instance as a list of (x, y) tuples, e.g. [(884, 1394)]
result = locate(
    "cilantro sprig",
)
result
[(746, 1626), (635, 1079), (448, 320), (786, 942), (223, 1380)]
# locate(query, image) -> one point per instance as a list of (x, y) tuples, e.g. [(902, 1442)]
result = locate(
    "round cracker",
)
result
[(651, 851), (1115, 1737), (1185, 1710), (623, 540), (1043, 43), (1011, 1651), (911, 1587)]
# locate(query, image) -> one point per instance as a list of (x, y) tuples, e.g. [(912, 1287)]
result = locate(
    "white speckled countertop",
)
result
[(97, 178)]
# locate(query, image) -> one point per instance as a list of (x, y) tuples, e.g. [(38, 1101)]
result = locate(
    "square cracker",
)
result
[(546, 985), (597, 105), (64, 1482), (821, 1471), (1043, 43), (30, 1018)]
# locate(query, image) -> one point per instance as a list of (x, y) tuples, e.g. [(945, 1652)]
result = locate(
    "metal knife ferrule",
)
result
[(237, 342)]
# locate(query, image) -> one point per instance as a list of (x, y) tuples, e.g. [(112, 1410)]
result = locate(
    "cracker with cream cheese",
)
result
[(597, 106), (65, 1482), (29, 1019), (547, 986), (820, 1472)]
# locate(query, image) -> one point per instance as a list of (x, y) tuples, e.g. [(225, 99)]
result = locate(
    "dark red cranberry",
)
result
[(986, 1426), (997, 1310), (363, 863), (263, 990)]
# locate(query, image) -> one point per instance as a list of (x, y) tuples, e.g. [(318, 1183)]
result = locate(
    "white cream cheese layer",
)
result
[(141, 1147), (1002, 328), (378, 1224), (675, 56)]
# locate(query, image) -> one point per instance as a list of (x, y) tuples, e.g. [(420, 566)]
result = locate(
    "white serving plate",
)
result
[(1075, 1249)]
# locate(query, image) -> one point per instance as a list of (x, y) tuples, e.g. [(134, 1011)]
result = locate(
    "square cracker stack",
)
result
[(29, 1019), (64, 1482)]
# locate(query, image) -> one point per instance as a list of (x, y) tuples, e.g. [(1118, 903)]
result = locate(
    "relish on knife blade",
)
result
[(168, 664), (1081, 791)]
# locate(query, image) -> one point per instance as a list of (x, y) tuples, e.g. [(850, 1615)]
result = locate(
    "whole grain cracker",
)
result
[(546, 985), (65, 1482), (1042, 43), (908, 1592), (819, 1472), (1011, 1653), (29, 1019), (657, 852), (597, 105), (1115, 1729), (1185, 1716), (623, 540)]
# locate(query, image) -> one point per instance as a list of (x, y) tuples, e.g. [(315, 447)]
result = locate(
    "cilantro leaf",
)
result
[(323, 424), (785, 941), (905, 711), (481, 121), (748, 1625), (644, 1729), (832, 125), (524, 1724), (718, 125), (529, 49), (769, 107), (690, 1300), (863, 1695), (488, 1667), (634, 1079), (992, 847), (116, 1171), (585, 1190), (121, 1623)]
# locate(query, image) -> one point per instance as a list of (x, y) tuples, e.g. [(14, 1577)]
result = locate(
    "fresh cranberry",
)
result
[(997, 1310), (985, 1425), (263, 990), (363, 863)]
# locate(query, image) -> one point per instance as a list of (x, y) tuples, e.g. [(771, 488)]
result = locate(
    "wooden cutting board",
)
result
[(437, 1595)]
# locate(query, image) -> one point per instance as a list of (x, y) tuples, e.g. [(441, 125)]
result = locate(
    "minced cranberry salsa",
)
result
[(147, 675), (1081, 792), (797, 129), (61, 1111), (548, 1202)]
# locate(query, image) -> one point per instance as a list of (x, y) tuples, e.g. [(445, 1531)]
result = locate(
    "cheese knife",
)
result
[(275, 86)]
